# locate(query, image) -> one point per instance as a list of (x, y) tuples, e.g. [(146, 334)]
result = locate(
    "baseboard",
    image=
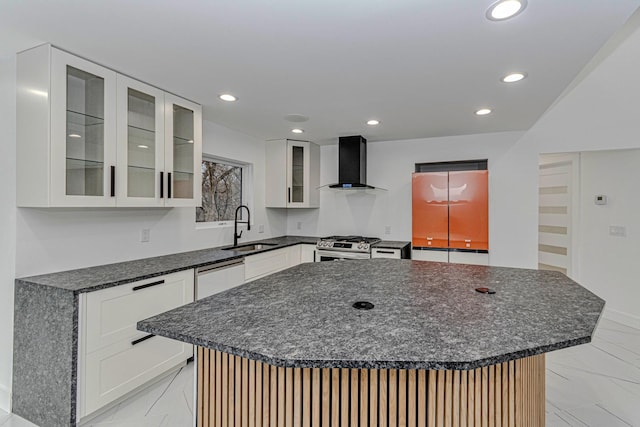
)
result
[(621, 317), (5, 398)]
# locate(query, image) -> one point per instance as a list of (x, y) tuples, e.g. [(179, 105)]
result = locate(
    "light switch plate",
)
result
[(145, 235)]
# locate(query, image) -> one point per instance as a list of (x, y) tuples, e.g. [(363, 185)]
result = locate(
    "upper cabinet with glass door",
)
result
[(66, 110), (293, 174), (88, 136), (183, 152), (141, 143)]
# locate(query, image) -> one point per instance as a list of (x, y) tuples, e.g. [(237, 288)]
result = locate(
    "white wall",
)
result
[(609, 264), (62, 239), (600, 113), (7, 221), (390, 165)]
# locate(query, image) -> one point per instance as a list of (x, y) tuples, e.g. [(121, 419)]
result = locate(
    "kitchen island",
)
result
[(422, 348)]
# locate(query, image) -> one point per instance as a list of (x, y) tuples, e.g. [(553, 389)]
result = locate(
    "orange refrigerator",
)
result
[(469, 210), (451, 210), (430, 216)]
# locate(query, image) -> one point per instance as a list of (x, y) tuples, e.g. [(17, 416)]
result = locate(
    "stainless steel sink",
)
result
[(249, 248)]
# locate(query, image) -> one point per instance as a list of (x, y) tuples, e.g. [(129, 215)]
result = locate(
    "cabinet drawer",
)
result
[(112, 314), (117, 369), (260, 265), (480, 258), (430, 255), (385, 253)]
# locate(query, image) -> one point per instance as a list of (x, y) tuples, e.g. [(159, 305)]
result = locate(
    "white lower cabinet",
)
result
[(307, 253), (261, 265), (385, 253), (430, 255), (114, 358), (469, 258)]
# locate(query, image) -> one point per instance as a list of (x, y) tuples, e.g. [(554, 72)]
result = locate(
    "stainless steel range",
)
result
[(335, 248)]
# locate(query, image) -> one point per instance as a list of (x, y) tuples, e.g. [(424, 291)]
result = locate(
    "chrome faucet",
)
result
[(236, 236)]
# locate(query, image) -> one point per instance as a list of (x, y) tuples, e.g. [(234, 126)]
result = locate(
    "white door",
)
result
[(140, 144), (183, 152), (556, 200), (83, 129), (298, 174)]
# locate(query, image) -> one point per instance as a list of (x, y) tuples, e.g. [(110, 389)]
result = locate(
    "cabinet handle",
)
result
[(289, 192), (384, 252), (161, 185), (113, 181), (139, 340), (168, 185), (148, 285)]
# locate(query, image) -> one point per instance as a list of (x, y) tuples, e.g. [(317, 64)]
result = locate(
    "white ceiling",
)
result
[(422, 67)]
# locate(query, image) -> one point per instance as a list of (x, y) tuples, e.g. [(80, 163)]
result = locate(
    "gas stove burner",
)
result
[(351, 239)]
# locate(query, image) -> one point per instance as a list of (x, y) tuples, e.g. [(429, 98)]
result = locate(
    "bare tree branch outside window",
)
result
[(221, 191)]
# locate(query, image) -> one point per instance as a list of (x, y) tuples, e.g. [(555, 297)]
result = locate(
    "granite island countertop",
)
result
[(426, 315)]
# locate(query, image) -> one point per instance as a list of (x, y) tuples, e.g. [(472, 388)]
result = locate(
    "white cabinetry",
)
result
[(88, 136), (66, 116), (293, 174), (140, 144), (385, 253), (266, 263), (430, 255), (114, 358), (307, 253), (459, 257), (183, 152)]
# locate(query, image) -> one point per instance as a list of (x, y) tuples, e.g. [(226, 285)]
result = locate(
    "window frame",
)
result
[(247, 189)]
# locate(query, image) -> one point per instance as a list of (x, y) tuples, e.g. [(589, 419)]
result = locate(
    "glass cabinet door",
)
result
[(297, 174), (183, 168), (297, 164), (183, 152), (140, 143), (85, 134), (83, 129)]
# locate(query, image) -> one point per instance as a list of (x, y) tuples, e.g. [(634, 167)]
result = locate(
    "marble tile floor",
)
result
[(594, 385)]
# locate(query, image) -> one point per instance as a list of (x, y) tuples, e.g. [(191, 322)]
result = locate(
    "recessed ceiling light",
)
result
[(483, 112), (228, 97), (74, 135), (504, 9), (514, 77), (373, 122), (143, 146), (297, 130)]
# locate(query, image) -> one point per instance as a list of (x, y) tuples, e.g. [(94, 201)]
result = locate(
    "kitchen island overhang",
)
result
[(428, 321)]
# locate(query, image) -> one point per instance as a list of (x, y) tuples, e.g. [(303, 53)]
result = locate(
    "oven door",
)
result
[(325, 255)]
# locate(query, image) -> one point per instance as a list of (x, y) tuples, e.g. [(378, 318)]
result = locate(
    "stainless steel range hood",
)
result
[(352, 164)]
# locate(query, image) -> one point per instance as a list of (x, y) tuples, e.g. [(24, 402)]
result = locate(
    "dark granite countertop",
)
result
[(427, 315), (391, 244), (105, 276)]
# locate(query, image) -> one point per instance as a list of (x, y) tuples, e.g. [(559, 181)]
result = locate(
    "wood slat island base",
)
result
[(239, 392)]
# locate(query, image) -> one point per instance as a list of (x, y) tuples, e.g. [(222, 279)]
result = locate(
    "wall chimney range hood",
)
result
[(352, 164)]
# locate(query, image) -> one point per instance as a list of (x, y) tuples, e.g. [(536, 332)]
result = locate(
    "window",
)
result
[(223, 189)]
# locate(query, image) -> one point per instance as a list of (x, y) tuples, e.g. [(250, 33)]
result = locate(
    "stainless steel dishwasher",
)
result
[(218, 277)]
